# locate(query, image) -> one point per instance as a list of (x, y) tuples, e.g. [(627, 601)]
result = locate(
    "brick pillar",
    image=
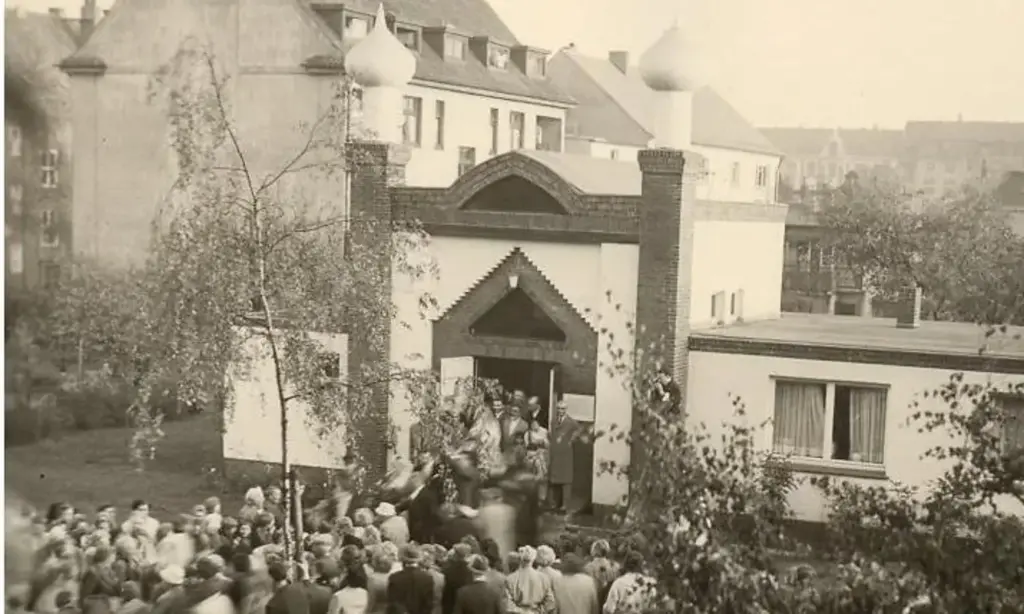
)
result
[(663, 286), (374, 167)]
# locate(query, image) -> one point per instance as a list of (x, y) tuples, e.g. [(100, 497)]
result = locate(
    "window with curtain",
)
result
[(830, 421), (799, 419)]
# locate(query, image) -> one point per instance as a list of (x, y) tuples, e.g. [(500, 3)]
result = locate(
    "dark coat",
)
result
[(424, 513), (410, 591), (454, 530), (290, 599), (319, 597), (479, 597), (456, 575), (560, 467)]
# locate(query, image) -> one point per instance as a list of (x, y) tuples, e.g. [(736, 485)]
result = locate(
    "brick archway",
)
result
[(513, 164), (577, 355)]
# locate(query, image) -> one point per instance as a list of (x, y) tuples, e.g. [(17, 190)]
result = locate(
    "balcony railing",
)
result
[(819, 282)]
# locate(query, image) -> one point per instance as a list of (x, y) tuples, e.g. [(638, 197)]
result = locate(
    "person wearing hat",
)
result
[(393, 528), (411, 590), (479, 596)]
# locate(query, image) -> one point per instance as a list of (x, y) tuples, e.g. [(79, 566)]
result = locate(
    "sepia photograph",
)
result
[(514, 307)]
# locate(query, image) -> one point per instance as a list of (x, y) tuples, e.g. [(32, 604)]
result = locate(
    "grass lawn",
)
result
[(91, 468)]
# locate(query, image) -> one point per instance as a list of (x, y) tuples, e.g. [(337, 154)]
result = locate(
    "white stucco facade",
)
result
[(751, 288), (252, 426), (599, 281), (714, 378), (467, 124)]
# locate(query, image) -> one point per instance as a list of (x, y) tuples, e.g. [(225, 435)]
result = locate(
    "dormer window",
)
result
[(540, 65), (497, 57), (454, 47), (410, 37), (356, 27)]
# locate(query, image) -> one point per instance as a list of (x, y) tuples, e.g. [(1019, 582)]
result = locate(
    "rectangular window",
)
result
[(50, 273), (517, 128), (439, 118), (356, 100), (356, 27), (735, 174), (497, 57), (549, 133), (718, 306), (761, 177), (49, 235), (830, 421), (408, 37), (467, 159), (50, 159), (411, 127), (614, 154), (494, 131), (540, 65), (454, 47), (15, 193), (15, 259), (1013, 424), (330, 365), (14, 140)]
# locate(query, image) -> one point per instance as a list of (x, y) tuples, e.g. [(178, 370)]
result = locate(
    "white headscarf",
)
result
[(254, 496)]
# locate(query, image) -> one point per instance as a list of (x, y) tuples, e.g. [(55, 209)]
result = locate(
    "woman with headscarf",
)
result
[(602, 569), (528, 591)]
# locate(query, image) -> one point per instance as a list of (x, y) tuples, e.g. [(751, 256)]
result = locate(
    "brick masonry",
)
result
[(375, 169), (577, 356)]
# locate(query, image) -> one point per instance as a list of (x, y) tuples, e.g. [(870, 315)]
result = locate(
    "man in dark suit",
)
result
[(320, 591), (411, 590), (424, 508), (478, 597), (456, 575)]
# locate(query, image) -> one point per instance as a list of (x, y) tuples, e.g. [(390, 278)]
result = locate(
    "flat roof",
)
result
[(818, 335)]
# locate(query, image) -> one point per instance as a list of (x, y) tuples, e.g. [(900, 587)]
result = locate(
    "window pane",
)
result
[(858, 431), (1013, 424), (799, 425)]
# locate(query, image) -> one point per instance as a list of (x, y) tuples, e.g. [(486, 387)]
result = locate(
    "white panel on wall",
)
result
[(579, 406), (253, 426), (613, 406)]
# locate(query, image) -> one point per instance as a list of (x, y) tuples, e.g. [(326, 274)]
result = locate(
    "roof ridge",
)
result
[(573, 55)]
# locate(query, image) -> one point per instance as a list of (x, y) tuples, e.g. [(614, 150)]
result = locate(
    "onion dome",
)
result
[(380, 59), (668, 66)]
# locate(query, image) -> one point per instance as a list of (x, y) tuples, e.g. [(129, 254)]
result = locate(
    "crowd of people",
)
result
[(365, 562), (411, 545)]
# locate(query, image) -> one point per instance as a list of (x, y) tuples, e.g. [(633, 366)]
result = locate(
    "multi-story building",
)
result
[(615, 114), (942, 156), (817, 157), (37, 149), (477, 92)]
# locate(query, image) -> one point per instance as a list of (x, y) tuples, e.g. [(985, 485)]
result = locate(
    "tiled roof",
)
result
[(867, 142), (473, 18), (625, 115), (1010, 191), (980, 132)]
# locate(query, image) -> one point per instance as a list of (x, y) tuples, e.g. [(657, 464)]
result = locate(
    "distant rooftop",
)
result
[(879, 336)]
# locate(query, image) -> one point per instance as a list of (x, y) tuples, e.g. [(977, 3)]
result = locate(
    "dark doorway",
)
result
[(533, 378), (516, 315)]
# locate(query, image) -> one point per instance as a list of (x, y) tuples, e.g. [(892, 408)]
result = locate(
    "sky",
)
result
[(851, 63)]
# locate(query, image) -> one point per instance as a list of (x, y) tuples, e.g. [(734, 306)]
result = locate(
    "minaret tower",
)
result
[(382, 66)]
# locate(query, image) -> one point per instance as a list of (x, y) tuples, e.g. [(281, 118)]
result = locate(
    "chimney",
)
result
[(88, 21), (58, 13), (908, 311), (620, 59)]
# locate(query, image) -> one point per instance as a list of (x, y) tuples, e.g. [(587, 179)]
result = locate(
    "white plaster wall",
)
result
[(613, 399), (718, 185), (253, 426), (460, 263), (714, 377), (725, 259), (467, 124)]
